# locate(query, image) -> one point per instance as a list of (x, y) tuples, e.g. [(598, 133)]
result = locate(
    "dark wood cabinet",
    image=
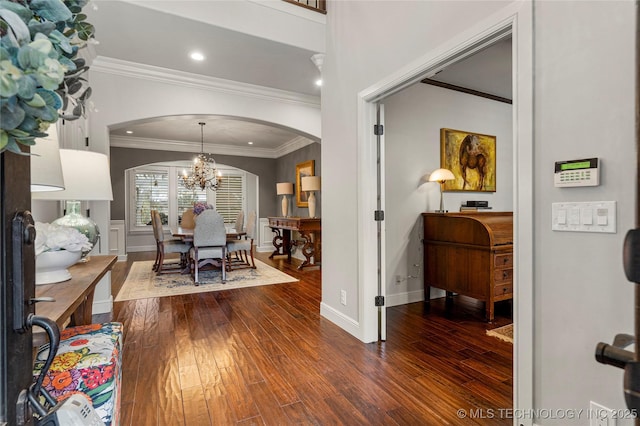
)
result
[(469, 254)]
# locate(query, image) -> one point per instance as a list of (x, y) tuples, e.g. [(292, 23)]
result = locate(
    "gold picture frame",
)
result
[(303, 170), (471, 157)]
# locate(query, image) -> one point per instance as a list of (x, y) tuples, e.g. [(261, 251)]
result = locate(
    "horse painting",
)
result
[(472, 157)]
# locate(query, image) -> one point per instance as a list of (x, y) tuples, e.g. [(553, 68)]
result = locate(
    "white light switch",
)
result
[(589, 216), (603, 214), (562, 217)]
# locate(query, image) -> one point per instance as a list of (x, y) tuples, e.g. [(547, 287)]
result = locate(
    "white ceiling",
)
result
[(152, 37)]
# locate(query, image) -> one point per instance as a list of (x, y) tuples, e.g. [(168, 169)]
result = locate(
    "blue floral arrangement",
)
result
[(199, 207)]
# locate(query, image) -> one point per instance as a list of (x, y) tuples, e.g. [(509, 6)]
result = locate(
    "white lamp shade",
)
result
[(310, 183), (86, 177), (441, 175), (284, 188), (46, 167)]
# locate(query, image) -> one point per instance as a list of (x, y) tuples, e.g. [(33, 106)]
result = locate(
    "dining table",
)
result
[(186, 234)]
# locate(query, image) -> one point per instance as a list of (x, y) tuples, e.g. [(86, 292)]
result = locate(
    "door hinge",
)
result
[(379, 300), (378, 129), (378, 215)]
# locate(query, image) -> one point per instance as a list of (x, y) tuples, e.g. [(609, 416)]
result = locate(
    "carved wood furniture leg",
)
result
[(308, 249), (277, 242)]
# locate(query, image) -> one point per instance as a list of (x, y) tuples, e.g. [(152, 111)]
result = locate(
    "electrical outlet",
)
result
[(343, 297), (600, 415)]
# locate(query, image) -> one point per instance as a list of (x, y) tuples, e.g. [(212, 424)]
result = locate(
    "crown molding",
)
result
[(182, 146), (119, 67), (292, 145)]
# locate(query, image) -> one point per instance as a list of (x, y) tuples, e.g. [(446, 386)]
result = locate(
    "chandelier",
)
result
[(203, 172)]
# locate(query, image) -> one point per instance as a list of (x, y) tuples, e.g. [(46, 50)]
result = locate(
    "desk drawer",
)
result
[(503, 260), (503, 276), (500, 290)]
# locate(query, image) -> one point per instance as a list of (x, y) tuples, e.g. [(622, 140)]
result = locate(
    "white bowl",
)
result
[(51, 266)]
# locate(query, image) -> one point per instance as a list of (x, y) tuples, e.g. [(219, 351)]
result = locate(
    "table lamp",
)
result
[(284, 189), (441, 176), (46, 167), (87, 178), (311, 184)]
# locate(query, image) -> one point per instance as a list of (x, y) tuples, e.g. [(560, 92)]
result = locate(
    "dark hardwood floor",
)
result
[(264, 355)]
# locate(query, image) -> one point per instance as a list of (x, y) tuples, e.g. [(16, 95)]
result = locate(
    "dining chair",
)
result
[(209, 244), (239, 221), (243, 247), (188, 219), (155, 236), (169, 246)]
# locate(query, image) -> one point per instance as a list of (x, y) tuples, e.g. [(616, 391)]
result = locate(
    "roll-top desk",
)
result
[(469, 254)]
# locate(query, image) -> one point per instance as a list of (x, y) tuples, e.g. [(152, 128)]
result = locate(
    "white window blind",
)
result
[(229, 197), (152, 193), (186, 197)]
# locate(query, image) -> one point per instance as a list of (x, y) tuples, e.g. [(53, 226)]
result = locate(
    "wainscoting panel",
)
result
[(117, 240)]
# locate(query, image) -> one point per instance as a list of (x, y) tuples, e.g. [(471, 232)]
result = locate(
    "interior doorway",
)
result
[(515, 23)]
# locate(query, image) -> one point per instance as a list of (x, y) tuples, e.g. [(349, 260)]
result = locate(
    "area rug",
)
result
[(142, 282), (503, 333)]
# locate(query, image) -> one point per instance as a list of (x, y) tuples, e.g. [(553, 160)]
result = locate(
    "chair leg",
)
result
[(224, 266), (253, 262), (155, 263), (160, 262)]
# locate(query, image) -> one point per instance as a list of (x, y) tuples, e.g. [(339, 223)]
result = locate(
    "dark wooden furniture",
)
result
[(310, 231), (73, 298), (469, 254)]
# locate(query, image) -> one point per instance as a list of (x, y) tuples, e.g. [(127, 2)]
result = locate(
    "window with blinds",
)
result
[(186, 197), (151, 193), (229, 197)]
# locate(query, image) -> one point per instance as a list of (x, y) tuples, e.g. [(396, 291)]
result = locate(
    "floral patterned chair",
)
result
[(88, 362)]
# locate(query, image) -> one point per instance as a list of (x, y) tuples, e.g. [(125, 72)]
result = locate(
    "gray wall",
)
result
[(286, 172), (584, 107), (125, 158)]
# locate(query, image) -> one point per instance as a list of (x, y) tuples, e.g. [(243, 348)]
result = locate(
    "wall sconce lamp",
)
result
[(441, 176), (311, 184), (284, 189)]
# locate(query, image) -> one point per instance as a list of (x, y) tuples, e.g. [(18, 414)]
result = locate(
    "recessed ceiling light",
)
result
[(250, 143), (129, 132), (197, 56), (319, 82)]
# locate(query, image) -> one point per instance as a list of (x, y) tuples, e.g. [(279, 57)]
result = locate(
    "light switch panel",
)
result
[(588, 216)]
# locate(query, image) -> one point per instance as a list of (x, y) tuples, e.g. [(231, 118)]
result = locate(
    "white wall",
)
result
[(413, 119), (584, 107)]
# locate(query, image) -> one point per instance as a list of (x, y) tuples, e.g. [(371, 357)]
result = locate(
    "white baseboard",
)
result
[(122, 258), (348, 324), (404, 298), (102, 306)]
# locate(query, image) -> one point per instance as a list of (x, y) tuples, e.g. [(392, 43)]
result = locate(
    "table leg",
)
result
[(83, 314)]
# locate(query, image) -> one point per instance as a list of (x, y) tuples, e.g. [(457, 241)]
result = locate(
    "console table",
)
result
[(73, 298), (309, 229)]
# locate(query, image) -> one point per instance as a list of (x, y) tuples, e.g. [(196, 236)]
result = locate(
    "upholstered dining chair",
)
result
[(243, 248), (239, 221), (170, 246), (209, 244), (188, 219)]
